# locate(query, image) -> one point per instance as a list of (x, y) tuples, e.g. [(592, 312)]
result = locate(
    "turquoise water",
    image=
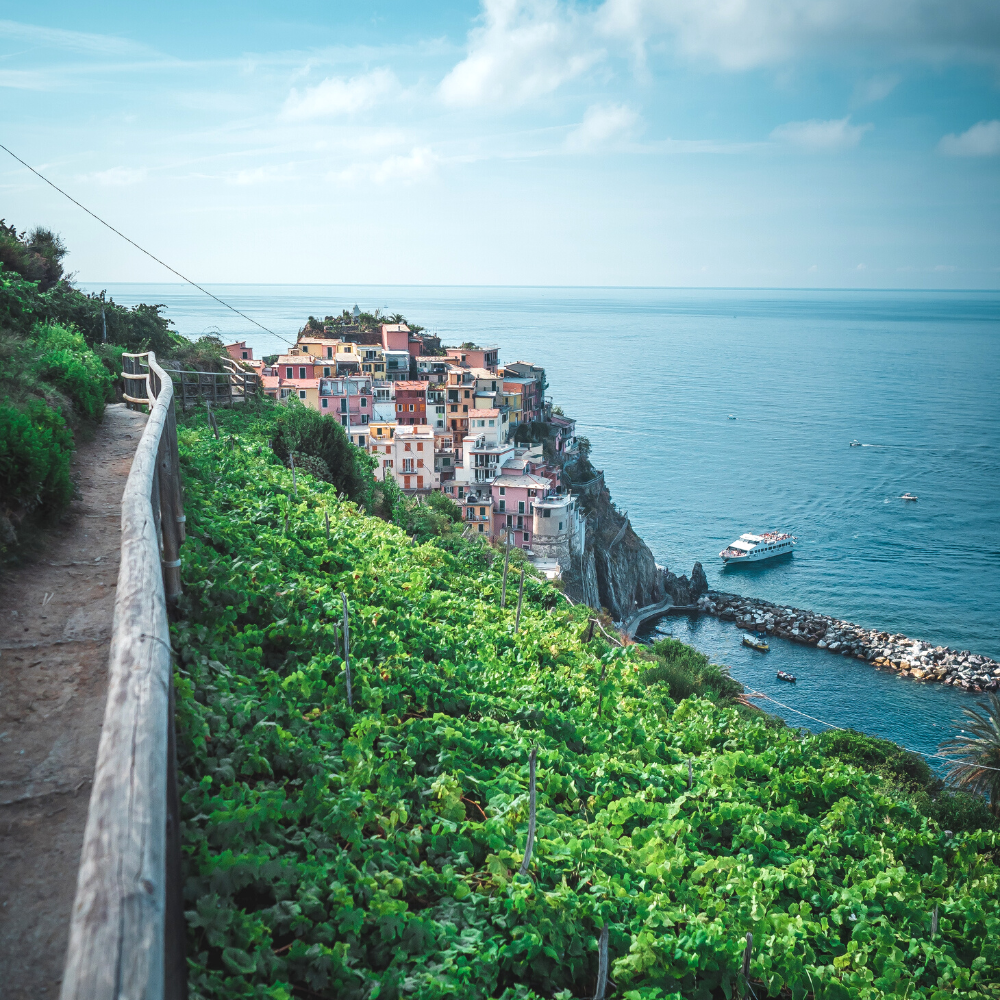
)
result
[(652, 375)]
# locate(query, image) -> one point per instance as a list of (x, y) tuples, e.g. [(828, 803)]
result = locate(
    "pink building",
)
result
[(514, 496), (348, 399), (412, 465), (396, 337), (240, 351), (298, 366), (475, 357)]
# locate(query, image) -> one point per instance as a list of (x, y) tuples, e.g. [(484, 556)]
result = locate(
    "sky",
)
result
[(728, 143)]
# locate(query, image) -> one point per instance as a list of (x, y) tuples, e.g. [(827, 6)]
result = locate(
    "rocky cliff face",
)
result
[(617, 571)]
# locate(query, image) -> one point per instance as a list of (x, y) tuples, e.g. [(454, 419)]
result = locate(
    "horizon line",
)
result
[(676, 288)]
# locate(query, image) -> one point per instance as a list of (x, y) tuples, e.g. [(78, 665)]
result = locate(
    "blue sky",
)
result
[(775, 143)]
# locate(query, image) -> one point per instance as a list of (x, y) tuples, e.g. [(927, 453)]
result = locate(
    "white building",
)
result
[(412, 456)]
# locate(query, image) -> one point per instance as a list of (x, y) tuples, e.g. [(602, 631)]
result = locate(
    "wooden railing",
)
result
[(127, 928), (220, 388)]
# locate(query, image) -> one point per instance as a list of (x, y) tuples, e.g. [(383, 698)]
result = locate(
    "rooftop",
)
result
[(406, 385), (532, 482)]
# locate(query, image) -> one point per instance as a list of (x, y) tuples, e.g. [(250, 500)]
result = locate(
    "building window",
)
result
[(480, 529), (420, 446), (546, 513), (329, 352), (326, 373), (461, 491), (288, 373), (325, 403), (560, 525), (411, 407), (520, 522), (503, 506), (525, 536), (420, 463), (364, 418), (302, 372), (406, 482), (503, 491), (245, 355), (420, 482), (364, 402), (302, 394), (343, 406), (406, 447), (361, 440), (482, 512), (520, 506)]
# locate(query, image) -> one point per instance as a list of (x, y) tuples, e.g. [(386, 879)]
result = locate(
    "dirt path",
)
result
[(55, 626)]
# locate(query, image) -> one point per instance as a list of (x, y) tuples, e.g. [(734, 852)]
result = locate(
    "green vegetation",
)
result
[(976, 752), (686, 672), (60, 351), (374, 850)]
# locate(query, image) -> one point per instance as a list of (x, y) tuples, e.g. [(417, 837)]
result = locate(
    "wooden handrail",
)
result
[(126, 931)]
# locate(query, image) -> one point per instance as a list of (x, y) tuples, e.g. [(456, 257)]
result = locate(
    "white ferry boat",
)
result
[(756, 548)]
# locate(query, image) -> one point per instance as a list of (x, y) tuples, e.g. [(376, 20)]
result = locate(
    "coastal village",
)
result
[(443, 419)]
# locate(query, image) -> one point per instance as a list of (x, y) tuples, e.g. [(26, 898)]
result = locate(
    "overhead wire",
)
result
[(118, 232), (830, 725)]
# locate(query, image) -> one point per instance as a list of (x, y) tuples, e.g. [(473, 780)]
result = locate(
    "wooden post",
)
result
[(934, 922), (184, 397), (531, 811), (326, 517), (295, 488), (690, 774), (520, 598), (506, 562), (590, 630), (746, 959), (175, 926), (602, 964), (600, 697), (170, 560), (347, 651)]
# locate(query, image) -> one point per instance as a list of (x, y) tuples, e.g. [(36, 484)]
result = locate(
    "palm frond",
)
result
[(976, 752)]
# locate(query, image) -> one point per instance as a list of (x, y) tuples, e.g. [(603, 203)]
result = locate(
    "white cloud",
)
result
[(983, 139), (740, 34), (523, 49), (817, 136), (73, 41), (420, 163), (876, 89), (339, 96), (119, 176), (601, 124), (417, 164)]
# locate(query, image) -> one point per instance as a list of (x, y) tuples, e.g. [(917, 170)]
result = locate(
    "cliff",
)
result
[(616, 570)]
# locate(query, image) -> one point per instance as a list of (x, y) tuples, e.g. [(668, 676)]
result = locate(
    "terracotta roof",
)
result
[(408, 386), (300, 383)]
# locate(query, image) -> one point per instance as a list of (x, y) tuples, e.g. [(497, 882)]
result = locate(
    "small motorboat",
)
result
[(756, 642), (783, 676), (732, 416), (855, 443), (908, 496)]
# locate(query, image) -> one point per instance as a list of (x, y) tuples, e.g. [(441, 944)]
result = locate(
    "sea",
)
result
[(718, 411)]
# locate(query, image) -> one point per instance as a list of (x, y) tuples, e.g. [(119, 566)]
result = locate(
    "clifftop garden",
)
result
[(375, 849)]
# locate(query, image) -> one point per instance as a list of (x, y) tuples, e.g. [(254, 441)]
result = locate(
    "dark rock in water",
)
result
[(699, 582)]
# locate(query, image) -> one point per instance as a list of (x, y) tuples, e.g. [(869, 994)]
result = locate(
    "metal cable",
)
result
[(118, 232), (830, 725)]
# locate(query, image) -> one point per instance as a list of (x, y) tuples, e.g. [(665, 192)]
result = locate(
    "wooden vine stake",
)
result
[(690, 774), (506, 563), (600, 696), (532, 760), (211, 419), (520, 598), (602, 964), (286, 522), (295, 487), (934, 922), (347, 652), (746, 959), (326, 518), (590, 630)]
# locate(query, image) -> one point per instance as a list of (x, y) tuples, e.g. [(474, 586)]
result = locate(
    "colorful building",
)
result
[(477, 513), (514, 497), (475, 357), (411, 402), (297, 365), (412, 456)]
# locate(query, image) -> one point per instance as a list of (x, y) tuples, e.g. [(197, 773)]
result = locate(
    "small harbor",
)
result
[(892, 652), (829, 690)]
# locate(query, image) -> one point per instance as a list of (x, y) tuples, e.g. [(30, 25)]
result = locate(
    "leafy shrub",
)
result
[(299, 429), (35, 451), (66, 362), (687, 672), (960, 811), (312, 464), (870, 753), (374, 850)]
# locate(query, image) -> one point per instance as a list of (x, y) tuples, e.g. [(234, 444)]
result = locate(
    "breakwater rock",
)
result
[(890, 651)]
